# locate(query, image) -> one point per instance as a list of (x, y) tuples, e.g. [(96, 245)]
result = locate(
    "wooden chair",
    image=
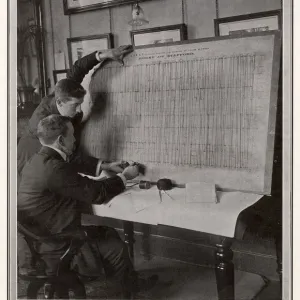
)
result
[(64, 279)]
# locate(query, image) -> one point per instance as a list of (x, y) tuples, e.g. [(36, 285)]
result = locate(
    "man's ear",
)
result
[(60, 140), (58, 102)]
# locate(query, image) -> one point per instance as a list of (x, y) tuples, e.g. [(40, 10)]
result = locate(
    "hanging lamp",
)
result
[(138, 18)]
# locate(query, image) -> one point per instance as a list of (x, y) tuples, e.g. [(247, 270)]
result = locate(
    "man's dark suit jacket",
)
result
[(51, 192), (29, 143), (51, 198)]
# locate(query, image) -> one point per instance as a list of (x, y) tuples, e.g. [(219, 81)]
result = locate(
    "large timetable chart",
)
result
[(199, 110)]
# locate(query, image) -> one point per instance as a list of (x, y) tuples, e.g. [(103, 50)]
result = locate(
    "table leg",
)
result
[(129, 237), (145, 241), (225, 270)]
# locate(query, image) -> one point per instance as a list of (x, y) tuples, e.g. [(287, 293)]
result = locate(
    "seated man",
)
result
[(66, 101), (51, 194)]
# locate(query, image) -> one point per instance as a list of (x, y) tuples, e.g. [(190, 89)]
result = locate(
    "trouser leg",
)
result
[(114, 253), (116, 260), (105, 249)]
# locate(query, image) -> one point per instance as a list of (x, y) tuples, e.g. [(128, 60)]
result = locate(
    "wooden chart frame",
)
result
[(263, 186)]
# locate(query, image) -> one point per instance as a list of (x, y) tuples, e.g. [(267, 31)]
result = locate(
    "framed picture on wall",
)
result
[(243, 24), (159, 35), (59, 74), (77, 6), (83, 45)]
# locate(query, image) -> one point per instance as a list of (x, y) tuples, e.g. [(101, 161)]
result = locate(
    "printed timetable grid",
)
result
[(199, 112)]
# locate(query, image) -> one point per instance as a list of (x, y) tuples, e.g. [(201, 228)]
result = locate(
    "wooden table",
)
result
[(219, 219)]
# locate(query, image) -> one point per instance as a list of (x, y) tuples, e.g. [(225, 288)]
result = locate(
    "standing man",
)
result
[(66, 101), (50, 194)]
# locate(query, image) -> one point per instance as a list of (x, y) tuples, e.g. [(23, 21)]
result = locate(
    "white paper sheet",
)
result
[(144, 206), (200, 192), (141, 202), (128, 208), (219, 219), (135, 200)]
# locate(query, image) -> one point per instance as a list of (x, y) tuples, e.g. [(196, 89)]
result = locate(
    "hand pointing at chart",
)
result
[(116, 54)]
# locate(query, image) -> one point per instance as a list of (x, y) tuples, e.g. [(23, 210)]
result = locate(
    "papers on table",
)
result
[(133, 205), (136, 200), (144, 206), (219, 219), (201, 192)]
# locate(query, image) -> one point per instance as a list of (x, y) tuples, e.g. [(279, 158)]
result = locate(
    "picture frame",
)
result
[(76, 6), (159, 35), (83, 45), (249, 23), (59, 74)]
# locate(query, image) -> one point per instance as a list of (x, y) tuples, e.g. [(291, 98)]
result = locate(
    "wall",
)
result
[(198, 15)]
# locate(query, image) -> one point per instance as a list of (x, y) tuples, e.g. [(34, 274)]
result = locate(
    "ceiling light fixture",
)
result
[(138, 18)]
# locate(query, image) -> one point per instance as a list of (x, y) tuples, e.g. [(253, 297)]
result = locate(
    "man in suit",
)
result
[(66, 101), (50, 196)]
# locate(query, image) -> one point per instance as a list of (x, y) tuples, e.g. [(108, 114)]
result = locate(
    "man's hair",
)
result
[(51, 127), (66, 88)]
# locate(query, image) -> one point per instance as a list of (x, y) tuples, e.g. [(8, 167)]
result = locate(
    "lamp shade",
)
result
[(138, 18)]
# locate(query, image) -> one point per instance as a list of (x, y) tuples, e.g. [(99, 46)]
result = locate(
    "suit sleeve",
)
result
[(66, 182), (82, 66), (84, 163)]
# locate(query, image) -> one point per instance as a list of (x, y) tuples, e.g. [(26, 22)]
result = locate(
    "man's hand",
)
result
[(116, 167), (131, 172), (116, 54)]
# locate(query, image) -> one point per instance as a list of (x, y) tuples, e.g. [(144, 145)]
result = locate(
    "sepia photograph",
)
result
[(150, 150)]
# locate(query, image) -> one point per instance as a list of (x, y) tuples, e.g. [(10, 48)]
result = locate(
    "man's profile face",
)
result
[(70, 108), (68, 143)]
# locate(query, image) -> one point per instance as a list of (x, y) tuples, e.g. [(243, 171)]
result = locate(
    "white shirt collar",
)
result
[(62, 154)]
